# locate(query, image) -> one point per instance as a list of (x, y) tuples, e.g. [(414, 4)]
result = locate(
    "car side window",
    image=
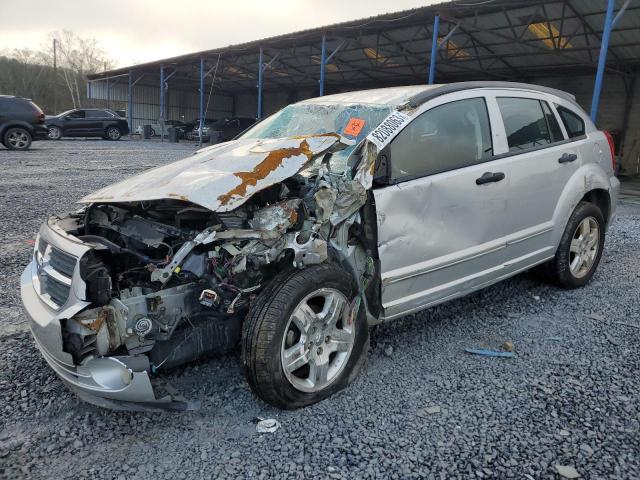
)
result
[(97, 114), (527, 124), (447, 137), (572, 122), (76, 115)]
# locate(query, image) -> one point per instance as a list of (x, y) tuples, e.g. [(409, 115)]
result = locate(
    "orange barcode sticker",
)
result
[(354, 127)]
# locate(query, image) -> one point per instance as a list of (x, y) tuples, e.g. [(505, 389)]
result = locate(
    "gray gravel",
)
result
[(424, 408)]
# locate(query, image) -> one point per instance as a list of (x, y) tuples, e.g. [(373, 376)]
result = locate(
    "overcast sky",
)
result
[(139, 31)]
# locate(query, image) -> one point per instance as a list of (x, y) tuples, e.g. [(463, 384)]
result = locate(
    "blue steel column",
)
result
[(201, 100), (434, 50), (130, 103), (323, 61), (260, 71), (162, 103), (602, 60)]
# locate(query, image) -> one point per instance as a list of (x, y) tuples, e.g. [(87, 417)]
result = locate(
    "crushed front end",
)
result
[(123, 289)]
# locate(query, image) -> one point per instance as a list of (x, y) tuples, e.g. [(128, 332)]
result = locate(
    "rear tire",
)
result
[(113, 133), (17, 138), (580, 248), (330, 353)]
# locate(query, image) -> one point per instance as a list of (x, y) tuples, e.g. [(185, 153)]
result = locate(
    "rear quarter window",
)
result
[(572, 122), (528, 123)]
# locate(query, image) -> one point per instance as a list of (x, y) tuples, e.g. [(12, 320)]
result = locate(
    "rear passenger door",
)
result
[(441, 222), (541, 161), (96, 121)]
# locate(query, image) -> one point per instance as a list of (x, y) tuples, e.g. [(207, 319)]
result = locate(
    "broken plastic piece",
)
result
[(489, 353), (267, 425)]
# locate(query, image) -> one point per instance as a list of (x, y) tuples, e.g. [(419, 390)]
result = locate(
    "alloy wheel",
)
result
[(113, 133), (18, 139), (318, 340), (584, 247)]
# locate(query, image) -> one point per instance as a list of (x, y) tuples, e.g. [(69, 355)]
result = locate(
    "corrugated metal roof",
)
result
[(499, 39)]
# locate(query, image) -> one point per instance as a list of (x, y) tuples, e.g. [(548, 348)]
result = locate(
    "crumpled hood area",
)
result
[(222, 177)]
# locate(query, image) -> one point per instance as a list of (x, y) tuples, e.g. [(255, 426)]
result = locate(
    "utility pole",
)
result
[(55, 78)]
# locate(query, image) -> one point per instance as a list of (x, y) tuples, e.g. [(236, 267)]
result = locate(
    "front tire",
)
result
[(113, 133), (17, 138), (55, 133), (580, 248), (303, 339)]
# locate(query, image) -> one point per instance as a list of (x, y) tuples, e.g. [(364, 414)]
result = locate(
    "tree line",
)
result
[(54, 76)]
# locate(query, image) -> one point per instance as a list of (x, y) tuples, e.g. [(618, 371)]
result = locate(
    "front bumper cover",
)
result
[(112, 382)]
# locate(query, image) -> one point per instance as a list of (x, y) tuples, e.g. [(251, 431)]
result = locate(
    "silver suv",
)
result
[(333, 214)]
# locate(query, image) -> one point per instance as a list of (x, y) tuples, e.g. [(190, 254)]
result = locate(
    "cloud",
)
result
[(144, 30)]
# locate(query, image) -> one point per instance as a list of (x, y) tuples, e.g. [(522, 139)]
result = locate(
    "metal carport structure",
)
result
[(557, 43)]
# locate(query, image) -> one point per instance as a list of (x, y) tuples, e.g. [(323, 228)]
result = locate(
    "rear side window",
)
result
[(447, 137), (98, 114), (76, 114), (528, 123), (17, 105), (572, 122)]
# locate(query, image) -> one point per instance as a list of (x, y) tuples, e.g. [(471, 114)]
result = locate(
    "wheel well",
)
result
[(601, 199), (7, 126)]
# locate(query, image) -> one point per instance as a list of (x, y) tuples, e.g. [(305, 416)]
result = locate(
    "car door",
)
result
[(96, 122), (541, 163), (440, 218), (74, 123)]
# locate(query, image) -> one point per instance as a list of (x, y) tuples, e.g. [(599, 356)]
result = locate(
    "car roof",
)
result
[(392, 96), (416, 95)]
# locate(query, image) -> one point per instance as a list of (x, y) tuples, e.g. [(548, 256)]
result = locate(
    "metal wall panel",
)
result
[(180, 104)]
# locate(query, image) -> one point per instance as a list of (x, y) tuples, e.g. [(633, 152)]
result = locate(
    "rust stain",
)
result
[(178, 196), (272, 161), (97, 323)]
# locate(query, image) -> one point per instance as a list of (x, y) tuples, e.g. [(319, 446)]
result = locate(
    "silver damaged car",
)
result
[(331, 215)]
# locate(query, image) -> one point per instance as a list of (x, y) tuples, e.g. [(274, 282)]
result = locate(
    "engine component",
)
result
[(209, 298), (142, 326), (205, 237)]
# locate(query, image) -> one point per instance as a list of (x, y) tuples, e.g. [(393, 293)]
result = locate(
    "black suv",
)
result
[(87, 122), (21, 122)]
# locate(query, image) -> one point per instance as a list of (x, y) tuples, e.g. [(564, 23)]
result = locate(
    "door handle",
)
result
[(488, 177), (567, 157)]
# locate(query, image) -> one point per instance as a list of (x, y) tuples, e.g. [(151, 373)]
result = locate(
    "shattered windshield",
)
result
[(353, 121)]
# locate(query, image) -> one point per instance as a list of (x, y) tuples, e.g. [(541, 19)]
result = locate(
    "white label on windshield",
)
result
[(388, 129)]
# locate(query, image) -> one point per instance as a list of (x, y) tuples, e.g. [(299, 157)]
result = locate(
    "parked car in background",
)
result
[(194, 124), (157, 130), (331, 215), (223, 130), (87, 122), (21, 122)]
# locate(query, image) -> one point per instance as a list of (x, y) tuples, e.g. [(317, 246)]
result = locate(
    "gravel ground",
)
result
[(423, 408)]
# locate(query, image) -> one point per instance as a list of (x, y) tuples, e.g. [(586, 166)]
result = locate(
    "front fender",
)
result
[(587, 178)]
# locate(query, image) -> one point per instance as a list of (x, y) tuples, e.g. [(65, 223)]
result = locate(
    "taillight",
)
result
[(612, 148), (41, 118)]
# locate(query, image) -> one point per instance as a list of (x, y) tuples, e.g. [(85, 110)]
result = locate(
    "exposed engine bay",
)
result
[(170, 281)]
